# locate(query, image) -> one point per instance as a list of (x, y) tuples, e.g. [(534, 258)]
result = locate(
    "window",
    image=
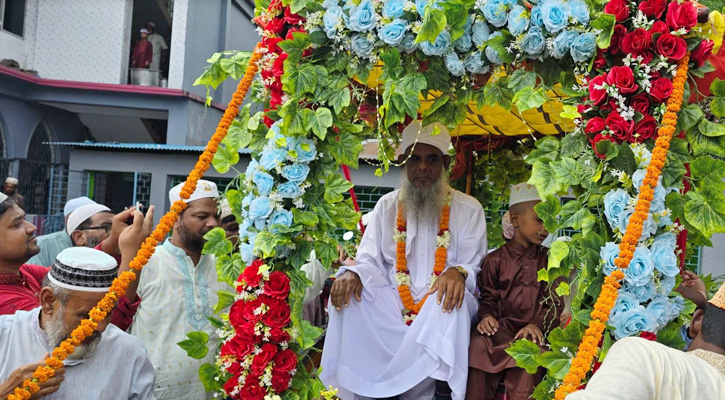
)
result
[(12, 16)]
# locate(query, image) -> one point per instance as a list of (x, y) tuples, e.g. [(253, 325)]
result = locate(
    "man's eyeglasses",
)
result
[(106, 228)]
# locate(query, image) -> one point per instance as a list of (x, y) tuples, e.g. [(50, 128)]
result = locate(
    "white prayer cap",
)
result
[(415, 133), (81, 214), (204, 189), (522, 193), (144, 30), (224, 209), (3, 197), (73, 204), (83, 269), (11, 180)]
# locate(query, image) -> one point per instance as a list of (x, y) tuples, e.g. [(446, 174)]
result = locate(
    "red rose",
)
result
[(237, 346), (637, 42), (275, 5), (277, 286), (278, 66), (596, 139), (582, 108), (681, 15), (275, 98), (649, 336), (653, 8), (276, 25), (621, 128), (640, 103), (599, 61), (236, 313), (267, 121), (293, 30), (615, 43), (271, 44), (251, 274), (294, 19), (671, 46), (596, 93), (623, 79), (595, 125), (252, 390), (661, 89), (261, 360), (618, 8), (279, 335), (231, 384), (659, 27), (702, 52), (250, 309), (611, 105), (645, 129), (278, 315), (235, 368), (280, 382), (285, 361)]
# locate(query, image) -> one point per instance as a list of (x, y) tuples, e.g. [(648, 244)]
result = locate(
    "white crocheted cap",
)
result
[(523, 192), (414, 132)]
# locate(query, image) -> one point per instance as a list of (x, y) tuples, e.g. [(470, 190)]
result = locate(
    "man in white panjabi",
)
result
[(178, 290), (639, 369), (375, 347)]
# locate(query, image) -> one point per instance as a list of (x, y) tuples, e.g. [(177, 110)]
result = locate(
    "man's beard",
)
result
[(93, 242), (424, 204), (56, 331), (191, 240)]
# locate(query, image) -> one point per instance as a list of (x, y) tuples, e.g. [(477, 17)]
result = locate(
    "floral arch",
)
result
[(596, 99)]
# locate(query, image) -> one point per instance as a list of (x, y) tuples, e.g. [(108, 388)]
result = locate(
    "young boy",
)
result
[(512, 303)]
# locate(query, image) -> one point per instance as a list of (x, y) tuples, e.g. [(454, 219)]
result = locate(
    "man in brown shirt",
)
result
[(510, 305)]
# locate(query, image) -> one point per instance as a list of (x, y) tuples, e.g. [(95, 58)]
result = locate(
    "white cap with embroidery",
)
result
[(523, 192), (414, 132), (204, 190)]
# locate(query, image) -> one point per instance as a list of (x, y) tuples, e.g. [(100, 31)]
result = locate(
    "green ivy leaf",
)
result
[(689, 117), (226, 299), (573, 214), (548, 210), (236, 65), (217, 243), (522, 79), (456, 14), (295, 121), (555, 362), (339, 99), (301, 79), (497, 93), (670, 336), (295, 47), (214, 74), (345, 148), (557, 253), (717, 87), (318, 121), (195, 344), (544, 389), (705, 210), (265, 242), (308, 335), (305, 217), (298, 5), (563, 289), (567, 171), (544, 178), (567, 339), (207, 373), (605, 23), (499, 43), (570, 112), (228, 268), (717, 107), (215, 322), (326, 252), (708, 173), (525, 353), (335, 185), (711, 129), (702, 144), (239, 136), (624, 160), (528, 98), (609, 149), (224, 158), (434, 21), (573, 145), (546, 149), (347, 217)]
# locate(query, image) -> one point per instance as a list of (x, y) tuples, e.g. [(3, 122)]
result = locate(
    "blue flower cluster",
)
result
[(278, 173)]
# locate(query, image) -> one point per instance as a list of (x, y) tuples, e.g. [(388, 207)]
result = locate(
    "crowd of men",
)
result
[(425, 239)]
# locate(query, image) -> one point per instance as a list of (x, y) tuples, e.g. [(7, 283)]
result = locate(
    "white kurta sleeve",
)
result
[(143, 380), (471, 243)]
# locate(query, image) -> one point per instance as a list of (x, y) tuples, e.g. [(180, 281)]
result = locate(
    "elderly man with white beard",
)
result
[(110, 364), (424, 241)]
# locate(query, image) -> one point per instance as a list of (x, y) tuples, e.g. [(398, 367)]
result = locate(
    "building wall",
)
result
[(12, 47), (83, 40), (712, 257)]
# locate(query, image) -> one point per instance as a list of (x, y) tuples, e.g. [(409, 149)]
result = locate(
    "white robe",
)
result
[(176, 298), (369, 350), (118, 369), (639, 369)]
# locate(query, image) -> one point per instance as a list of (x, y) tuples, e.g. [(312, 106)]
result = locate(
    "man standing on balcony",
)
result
[(10, 188), (142, 51), (159, 46)]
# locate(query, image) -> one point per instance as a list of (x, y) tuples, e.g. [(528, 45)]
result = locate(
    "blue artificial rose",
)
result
[(536, 18), (533, 42), (247, 200), (272, 157), (658, 200), (289, 190), (518, 21), (584, 47), (453, 64), (408, 43), (579, 11), (609, 252), (625, 302), (491, 53), (669, 238), (555, 14), (264, 182), (480, 32), (638, 177), (332, 20), (641, 267), (468, 24), (615, 203), (474, 64), (562, 43), (421, 4), (251, 167), (496, 12), (246, 251), (329, 3), (244, 228), (280, 217), (667, 285), (295, 172), (260, 224), (362, 17), (361, 46), (463, 44), (663, 255), (663, 220), (661, 309), (393, 32), (633, 322), (305, 149), (260, 207), (642, 293), (678, 306), (439, 46), (393, 8)]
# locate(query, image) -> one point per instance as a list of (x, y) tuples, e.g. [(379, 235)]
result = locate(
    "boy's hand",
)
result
[(488, 325), (531, 332)]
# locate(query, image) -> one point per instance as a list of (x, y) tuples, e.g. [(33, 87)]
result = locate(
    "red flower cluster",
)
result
[(257, 357), (634, 75)]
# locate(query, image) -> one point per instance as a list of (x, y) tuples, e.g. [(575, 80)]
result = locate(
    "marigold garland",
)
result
[(589, 345), (403, 275), (120, 284)]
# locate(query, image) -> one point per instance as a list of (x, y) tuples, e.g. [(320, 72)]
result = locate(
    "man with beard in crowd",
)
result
[(178, 289), (374, 347), (89, 225), (110, 364)]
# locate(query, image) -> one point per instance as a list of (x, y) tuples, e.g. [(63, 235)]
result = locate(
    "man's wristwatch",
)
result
[(463, 272)]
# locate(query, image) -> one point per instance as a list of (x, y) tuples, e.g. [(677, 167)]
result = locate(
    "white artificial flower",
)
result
[(402, 279)]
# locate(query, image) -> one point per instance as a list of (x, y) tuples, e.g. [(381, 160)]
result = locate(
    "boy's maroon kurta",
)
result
[(142, 54)]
